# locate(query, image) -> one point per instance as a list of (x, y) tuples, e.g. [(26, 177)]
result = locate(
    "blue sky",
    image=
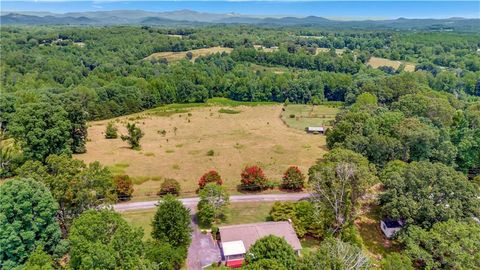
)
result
[(385, 9)]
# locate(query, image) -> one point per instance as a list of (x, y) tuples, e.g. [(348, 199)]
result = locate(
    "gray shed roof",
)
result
[(249, 233)]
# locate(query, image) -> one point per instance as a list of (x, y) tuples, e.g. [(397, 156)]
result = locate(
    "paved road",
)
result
[(203, 250), (128, 206)]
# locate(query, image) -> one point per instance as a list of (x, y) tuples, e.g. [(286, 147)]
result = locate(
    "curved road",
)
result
[(203, 251)]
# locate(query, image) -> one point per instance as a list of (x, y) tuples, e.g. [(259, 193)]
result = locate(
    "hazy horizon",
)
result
[(340, 10)]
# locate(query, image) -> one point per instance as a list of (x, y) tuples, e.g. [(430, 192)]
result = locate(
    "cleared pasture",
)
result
[(300, 116), (265, 49), (179, 141), (177, 56), (376, 62), (324, 50)]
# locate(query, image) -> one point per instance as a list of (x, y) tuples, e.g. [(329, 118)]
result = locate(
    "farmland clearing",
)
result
[(376, 62), (300, 116), (177, 56), (183, 141)]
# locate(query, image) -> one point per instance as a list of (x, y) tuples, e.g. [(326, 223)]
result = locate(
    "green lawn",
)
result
[(300, 116), (368, 226), (236, 213), (239, 213)]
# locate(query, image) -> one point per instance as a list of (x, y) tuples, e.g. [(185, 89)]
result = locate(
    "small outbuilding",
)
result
[(390, 227), (315, 130), (235, 240)]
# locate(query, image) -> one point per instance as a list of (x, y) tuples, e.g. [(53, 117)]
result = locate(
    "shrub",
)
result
[(123, 187), (210, 177), (293, 179), (111, 131), (210, 153), (215, 232), (169, 186), (253, 178), (292, 115)]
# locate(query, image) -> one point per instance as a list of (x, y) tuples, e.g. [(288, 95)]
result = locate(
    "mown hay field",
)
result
[(324, 50), (300, 116), (376, 62), (185, 142), (177, 56)]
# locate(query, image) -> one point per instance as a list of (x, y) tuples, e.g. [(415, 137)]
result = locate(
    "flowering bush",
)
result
[(253, 178), (169, 186), (210, 177), (293, 179), (123, 187)]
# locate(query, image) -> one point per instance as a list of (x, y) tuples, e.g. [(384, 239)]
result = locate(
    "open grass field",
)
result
[(183, 141), (177, 56), (265, 49), (275, 69), (236, 213), (300, 116), (376, 62), (324, 50)]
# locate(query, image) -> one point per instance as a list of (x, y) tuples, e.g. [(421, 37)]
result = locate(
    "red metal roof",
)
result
[(234, 263)]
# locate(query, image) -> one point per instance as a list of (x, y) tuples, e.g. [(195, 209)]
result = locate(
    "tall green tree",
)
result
[(333, 254), (424, 193), (338, 181), (27, 220), (272, 247), (171, 223), (213, 200), (104, 240), (76, 186), (42, 129), (39, 260), (447, 245)]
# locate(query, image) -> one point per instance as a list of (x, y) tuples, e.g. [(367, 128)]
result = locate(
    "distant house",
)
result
[(235, 240), (315, 130), (390, 227)]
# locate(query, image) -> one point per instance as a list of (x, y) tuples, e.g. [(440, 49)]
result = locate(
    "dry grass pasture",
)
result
[(300, 116), (376, 62), (199, 139), (177, 56), (324, 50), (265, 49)]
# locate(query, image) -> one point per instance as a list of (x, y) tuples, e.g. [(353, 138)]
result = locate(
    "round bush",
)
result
[(169, 186), (293, 179), (123, 187), (253, 178), (210, 177)]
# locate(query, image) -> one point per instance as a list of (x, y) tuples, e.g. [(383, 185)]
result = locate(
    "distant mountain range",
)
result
[(189, 17)]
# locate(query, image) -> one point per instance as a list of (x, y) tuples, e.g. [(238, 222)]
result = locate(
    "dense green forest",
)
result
[(418, 133)]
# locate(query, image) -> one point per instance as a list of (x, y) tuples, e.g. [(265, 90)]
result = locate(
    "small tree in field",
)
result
[(134, 136), (210, 177), (111, 131), (169, 186), (293, 179), (253, 178), (123, 187)]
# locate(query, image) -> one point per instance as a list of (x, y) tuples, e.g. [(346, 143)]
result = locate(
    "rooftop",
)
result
[(392, 223), (250, 233), (233, 248)]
